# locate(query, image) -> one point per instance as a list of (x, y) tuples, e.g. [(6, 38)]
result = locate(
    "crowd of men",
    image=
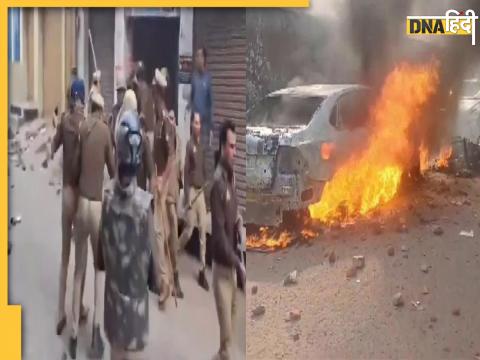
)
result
[(132, 221)]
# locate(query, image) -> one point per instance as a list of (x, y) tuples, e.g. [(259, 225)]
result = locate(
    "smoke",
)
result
[(376, 33)]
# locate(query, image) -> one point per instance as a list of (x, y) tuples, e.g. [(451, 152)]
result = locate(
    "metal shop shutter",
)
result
[(102, 26), (224, 36)]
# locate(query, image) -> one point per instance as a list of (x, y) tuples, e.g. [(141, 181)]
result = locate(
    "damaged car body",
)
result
[(295, 138)]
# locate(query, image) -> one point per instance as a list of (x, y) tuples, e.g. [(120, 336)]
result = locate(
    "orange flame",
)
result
[(372, 177), (326, 150), (445, 155), (266, 239)]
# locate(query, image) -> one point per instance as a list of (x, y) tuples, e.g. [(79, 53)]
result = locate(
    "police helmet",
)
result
[(128, 143)]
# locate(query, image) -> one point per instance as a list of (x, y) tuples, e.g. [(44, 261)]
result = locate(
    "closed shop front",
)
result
[(223, 34)]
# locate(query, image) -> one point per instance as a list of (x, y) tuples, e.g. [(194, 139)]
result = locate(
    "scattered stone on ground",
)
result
[(424, 268), (425, 290), (291, 279), (433, 318), (254, 289), (404, 248), (332, 257), (258, 311), (351, 272), (359, 261), (294, 315), (437, 230), (296, 337), (398, 300), (391, 251), (456, 312)]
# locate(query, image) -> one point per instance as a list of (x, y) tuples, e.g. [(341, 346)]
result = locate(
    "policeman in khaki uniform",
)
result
[(127, 238), (67, 135), (195, 176), (165, 155), (96, 152), (225, 227)]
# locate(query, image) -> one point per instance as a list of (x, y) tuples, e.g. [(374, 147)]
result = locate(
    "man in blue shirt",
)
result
[(202, 101)]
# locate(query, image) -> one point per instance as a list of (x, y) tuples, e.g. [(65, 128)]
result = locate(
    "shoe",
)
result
[(177, 290), (202, 280), (61, 325), (72, 348), (97, 348)]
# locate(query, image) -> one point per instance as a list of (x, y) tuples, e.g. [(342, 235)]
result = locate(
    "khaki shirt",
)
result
[(96, 152), (224, 207), (67, 134), (195, 170)]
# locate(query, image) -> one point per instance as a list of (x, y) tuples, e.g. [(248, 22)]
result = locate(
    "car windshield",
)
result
[(285, 110), (471, 88)]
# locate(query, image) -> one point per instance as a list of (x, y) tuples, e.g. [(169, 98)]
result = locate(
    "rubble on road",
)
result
[(291, 279), (456, 312), (296, 337), (258, 311), (351, 272), (254, 289), (425, 290), (433, 318), (437, 230), (418, 305), (404, 248), (359, 261), (391, 251), (398, 300), (424, 268), (294, 315), (332, 257), (467, 233)]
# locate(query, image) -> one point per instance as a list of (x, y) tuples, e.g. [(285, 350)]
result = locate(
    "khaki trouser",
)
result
[(160, 224), (121, 354), (196, 216), (69, 208), (172, 219), (87, 225), (224, 290)]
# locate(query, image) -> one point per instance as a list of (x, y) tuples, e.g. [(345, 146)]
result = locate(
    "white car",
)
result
[(295, 137)]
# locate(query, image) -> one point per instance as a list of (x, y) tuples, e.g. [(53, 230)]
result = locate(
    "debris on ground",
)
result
[(402, 226), (59, 191), (258, 311), (425, 290), (467, 233), (433, 318), (51, 182), (45, 163), (332, 257), (404, 248), (398, 300), (424, 268), (418, 305), (294, 315), (291, 279), (377, 228), (351, 272), (359, 261), (456, 312), (391, 251), (42, 148), (296, 337), (437, 230), (254, 290)]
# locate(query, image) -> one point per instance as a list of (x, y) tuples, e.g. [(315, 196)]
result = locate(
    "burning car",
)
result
[(295, 138)]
